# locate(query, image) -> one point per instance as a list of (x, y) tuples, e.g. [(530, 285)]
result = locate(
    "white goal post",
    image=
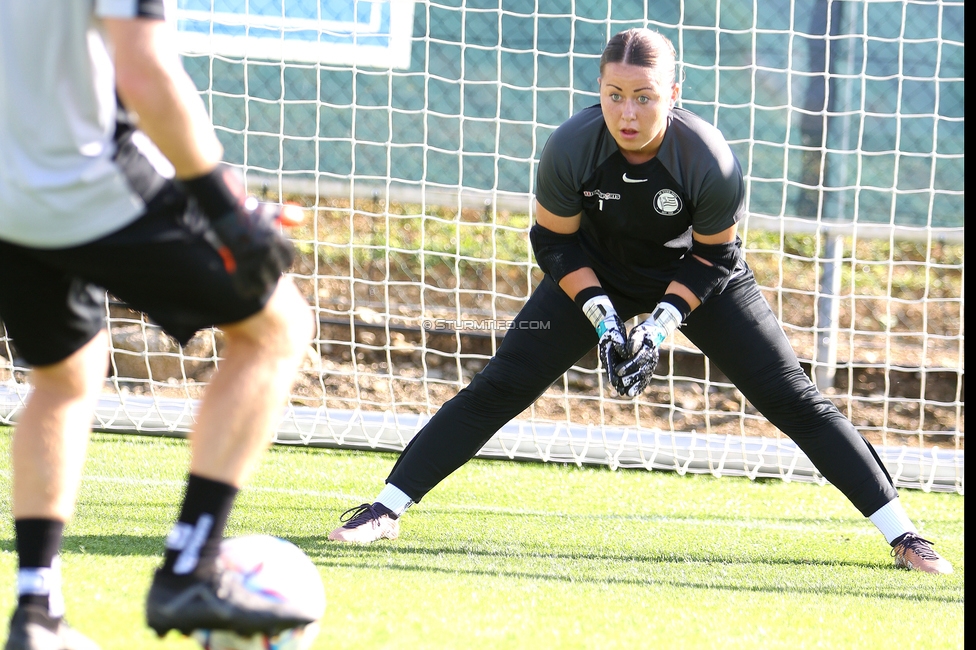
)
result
[(411, 132)]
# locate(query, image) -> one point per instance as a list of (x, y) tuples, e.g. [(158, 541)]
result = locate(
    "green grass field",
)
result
[(520, 555)]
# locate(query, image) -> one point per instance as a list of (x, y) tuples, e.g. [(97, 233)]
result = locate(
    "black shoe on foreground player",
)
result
[(32, 628), (186, 603)]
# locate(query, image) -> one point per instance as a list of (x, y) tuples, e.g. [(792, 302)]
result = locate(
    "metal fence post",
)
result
[(840, 69)]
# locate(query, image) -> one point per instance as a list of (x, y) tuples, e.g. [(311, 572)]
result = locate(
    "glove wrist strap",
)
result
[(665, 320), (678, 303), (217, 192), (598, 309)]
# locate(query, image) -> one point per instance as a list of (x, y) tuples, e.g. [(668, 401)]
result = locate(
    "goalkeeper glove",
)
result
[(245, 232), (643, 348), (611, 331)]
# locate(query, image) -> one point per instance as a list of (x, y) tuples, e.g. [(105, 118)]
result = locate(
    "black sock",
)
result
[(38, 543), (194, 543)]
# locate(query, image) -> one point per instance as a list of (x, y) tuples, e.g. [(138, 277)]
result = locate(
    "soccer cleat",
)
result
[(367, 523), (221, 603), (32, 628), (912, 552)]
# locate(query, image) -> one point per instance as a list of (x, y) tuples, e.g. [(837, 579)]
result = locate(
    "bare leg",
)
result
[(233, 427), (51, 438), (244, 399)]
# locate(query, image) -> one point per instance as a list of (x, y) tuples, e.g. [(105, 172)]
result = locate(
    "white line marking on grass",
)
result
[(156, 482), (854, 528), (248, 488), (820, 526), (665, 519)]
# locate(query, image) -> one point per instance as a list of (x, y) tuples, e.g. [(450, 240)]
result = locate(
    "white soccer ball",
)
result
[(277, 570), (294, 639)]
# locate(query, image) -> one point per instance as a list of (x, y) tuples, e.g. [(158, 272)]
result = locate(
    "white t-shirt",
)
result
[(59, 185)]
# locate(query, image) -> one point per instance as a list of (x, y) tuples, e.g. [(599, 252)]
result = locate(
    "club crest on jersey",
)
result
[(667, 202)]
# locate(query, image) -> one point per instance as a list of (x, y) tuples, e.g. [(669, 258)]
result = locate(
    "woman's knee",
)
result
[(509, 384), (790, 400)]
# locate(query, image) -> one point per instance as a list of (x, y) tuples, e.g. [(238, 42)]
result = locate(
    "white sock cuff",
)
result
[(395, 499), (598, 308), (35, 581), (43, 581), (892, 521)]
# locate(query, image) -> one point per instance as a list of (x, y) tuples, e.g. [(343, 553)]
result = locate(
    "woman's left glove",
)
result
[(613, 337)]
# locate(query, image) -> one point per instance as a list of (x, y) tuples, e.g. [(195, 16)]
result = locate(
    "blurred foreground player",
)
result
[(89, 204)]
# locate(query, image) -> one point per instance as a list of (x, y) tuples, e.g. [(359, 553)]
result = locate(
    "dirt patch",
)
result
[(900, 408), (900, 378), (401, 367)]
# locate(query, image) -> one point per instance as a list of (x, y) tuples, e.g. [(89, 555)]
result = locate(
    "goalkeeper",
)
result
[(637, 206), (89, 204)]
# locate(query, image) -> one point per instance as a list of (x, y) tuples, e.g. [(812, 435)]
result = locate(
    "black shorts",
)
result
[(52, 301)]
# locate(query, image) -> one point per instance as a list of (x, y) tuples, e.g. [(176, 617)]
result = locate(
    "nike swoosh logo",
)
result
[(634, 180)]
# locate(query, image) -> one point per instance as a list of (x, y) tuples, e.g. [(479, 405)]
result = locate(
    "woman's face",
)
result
[(636, 102)]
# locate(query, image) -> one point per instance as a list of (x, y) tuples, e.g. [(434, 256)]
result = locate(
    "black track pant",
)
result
[(736, 329)]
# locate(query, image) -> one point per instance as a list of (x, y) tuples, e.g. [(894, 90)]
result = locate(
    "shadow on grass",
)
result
[(411, 558), (108, 545), (751, 521), (319, 548), (408, 557), (326, 549)]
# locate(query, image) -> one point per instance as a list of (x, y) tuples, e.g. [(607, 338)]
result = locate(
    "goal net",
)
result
[(411, 132)]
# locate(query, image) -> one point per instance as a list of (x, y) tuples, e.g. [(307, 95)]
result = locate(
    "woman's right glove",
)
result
[(613, 337)]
